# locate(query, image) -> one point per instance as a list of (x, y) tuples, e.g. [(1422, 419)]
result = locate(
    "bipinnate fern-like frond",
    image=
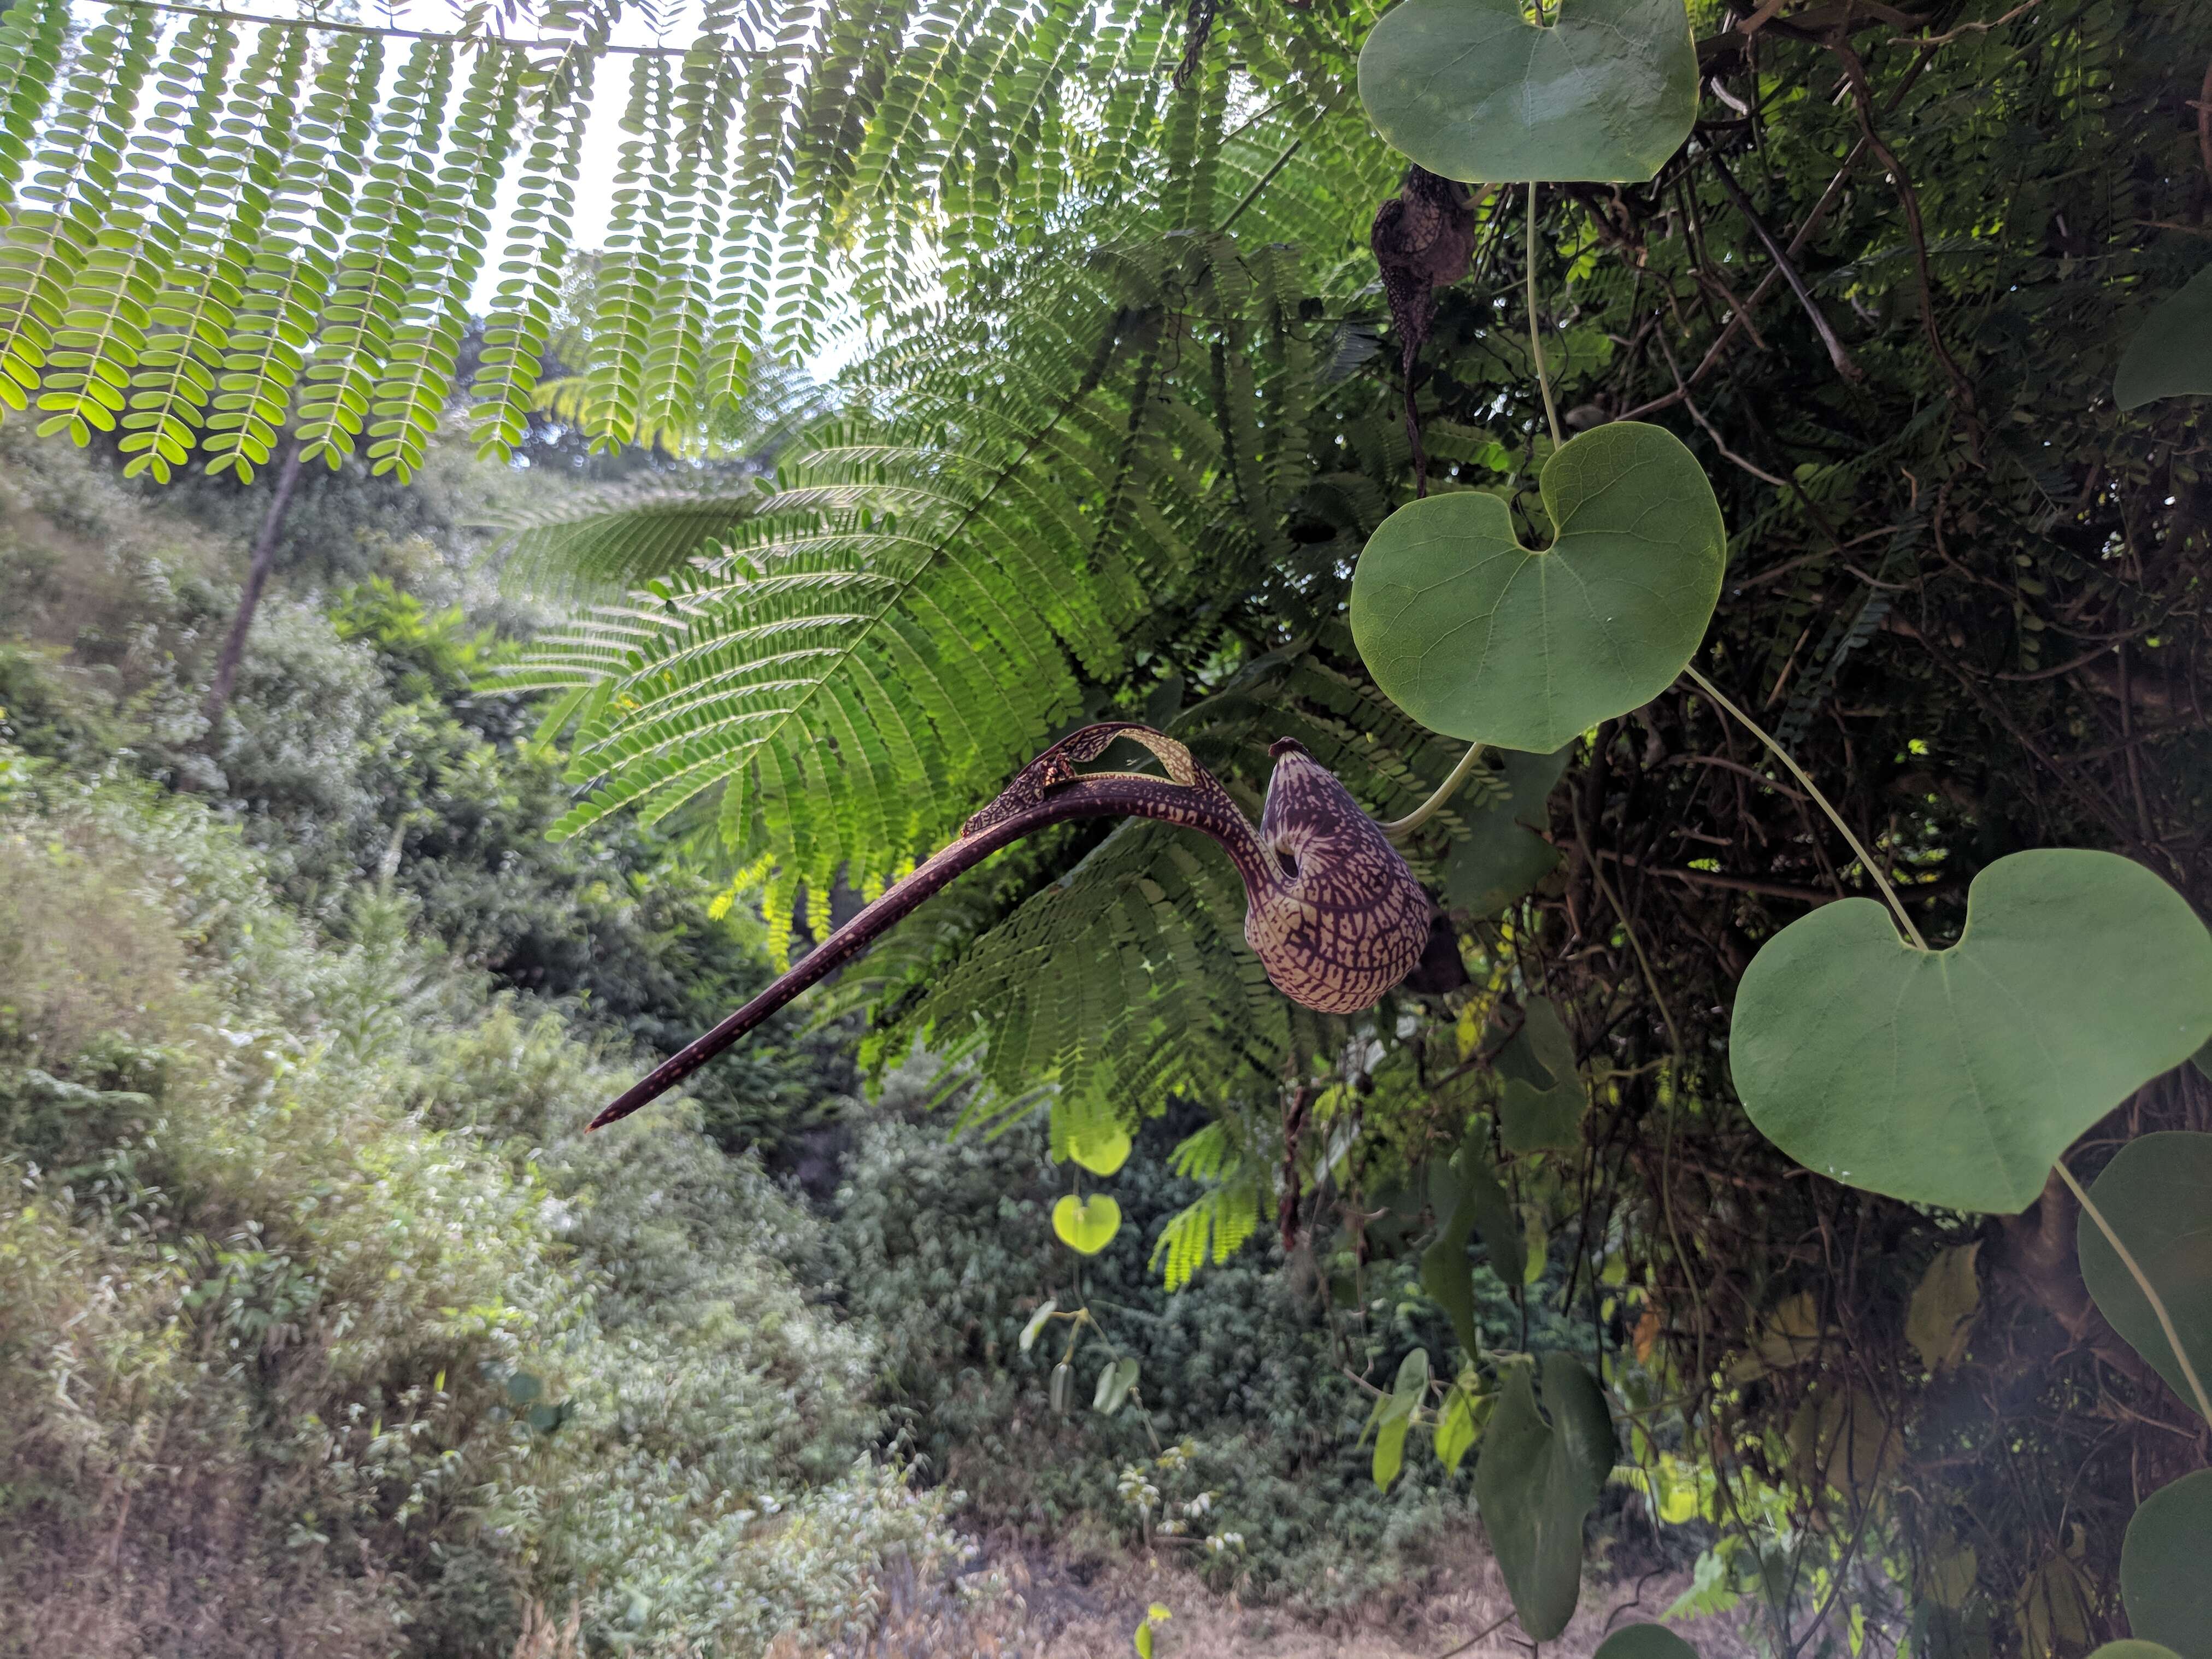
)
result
[(74, 171), (1221, 1219), (927, 601), (595, 546), (287, 231)]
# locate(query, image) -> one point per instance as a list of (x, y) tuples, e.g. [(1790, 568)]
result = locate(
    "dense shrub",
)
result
[(327, 1330)]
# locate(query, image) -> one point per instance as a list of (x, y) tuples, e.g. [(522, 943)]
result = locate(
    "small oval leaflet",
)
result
[(2163, 1582), (1470, 90), (1478, 637), (2157, 1194), (1955, 1077), (1086, 1225)]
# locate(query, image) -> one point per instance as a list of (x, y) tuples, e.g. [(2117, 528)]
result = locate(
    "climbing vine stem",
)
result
[(2143, 1283), (1865, 858), (1399, 828), (1535, 338)]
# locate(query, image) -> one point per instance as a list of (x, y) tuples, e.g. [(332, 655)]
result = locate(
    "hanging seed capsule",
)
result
[(1063, 1387)]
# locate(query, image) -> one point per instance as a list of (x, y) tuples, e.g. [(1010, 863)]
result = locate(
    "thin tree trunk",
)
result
[(257, 577)]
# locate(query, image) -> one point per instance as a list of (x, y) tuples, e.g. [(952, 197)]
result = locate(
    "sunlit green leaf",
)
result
[(1103, 1154), (1086, 1225), (1457, 1429)]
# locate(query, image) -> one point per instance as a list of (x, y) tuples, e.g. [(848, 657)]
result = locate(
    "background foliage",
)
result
[(1136, 395)]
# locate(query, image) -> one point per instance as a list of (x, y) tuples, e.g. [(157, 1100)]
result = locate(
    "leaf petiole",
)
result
[(1535, 339), (1399, 828)]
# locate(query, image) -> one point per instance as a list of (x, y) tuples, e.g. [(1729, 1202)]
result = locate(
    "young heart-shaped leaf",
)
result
[(1457, 1429), (2170, 354), (1953, 1077), (1086, 1225), (1115, 1381), (1101, 1153), (1503, 856), (1477, 637), (2163, 1582), (1645, 1642), (2131, 1648), (2157, 1194), (1037, 1322), (1536, 1480), (1471, 90)]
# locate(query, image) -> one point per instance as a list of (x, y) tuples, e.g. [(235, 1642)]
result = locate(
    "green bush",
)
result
[(943, 1248), (328, 1329)]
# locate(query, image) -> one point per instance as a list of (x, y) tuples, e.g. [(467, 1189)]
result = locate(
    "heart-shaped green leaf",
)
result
[(2169, 355), (1477, 637), (1502, 857), (1086, 1225), (1645, 1642), (1471, 90), (1537, 1480), (2157, 1194), (2131, 1648), (1953, 1077), (2163, 1582)]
